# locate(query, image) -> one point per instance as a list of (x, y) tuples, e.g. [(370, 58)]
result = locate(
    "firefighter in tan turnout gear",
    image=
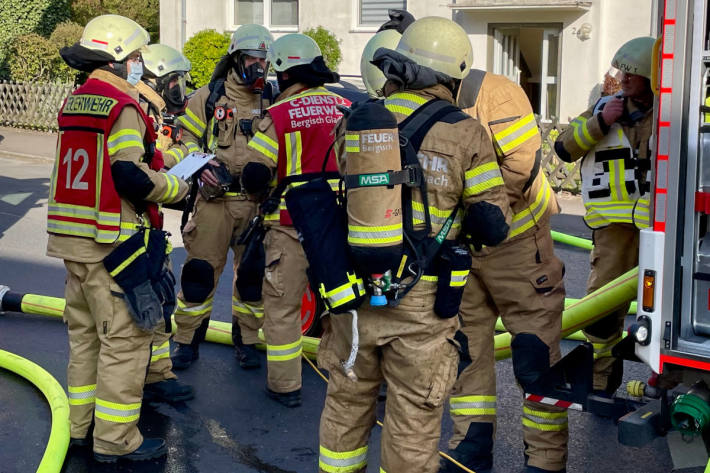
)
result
[(410, 343), (220, 118), (162, 94), (612, 138), (103, 222), (293, 139)]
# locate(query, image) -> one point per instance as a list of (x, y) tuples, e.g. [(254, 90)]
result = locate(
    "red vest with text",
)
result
[(304, 124), (83, 201)]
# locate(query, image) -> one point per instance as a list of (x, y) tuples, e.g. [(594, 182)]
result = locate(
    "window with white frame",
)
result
[(374, 12), (274, 14)]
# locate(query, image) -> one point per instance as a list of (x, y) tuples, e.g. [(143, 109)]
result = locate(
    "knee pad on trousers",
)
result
[(604, 328), (464, 354), (197, 280), (531, 361)]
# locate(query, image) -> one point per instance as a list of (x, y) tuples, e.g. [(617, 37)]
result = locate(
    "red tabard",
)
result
[(83, 200), (304, 125)]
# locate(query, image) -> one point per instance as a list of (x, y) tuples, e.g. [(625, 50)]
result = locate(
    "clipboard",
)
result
[(192, 163)]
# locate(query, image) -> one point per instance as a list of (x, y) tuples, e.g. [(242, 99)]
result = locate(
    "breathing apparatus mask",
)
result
[(172, 88), (253, 76)]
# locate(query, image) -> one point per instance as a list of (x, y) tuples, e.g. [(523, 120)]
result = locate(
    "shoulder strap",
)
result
[(470, 87), (217, 90)]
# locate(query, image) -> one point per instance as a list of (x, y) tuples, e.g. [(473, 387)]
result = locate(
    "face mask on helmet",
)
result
[(252, 75), (173, 87)]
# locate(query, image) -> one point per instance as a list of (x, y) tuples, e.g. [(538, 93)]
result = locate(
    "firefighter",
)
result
[(99, 202), (504, 280), (293, 139), (410, 345), (220, 118), (162, 94), (613, 140)]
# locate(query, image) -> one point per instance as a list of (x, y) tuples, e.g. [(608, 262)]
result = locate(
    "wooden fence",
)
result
[(31, 105)]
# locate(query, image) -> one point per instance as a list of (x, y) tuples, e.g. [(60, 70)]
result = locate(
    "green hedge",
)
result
[(21, 17), (144, 12), (66, 34), (204, 50), (329, 45)]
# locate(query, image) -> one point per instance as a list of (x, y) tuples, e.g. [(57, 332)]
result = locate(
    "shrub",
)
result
[(21, 17), (144, 12), (204, 50), (66, 34), (329, 45), (32, 58)]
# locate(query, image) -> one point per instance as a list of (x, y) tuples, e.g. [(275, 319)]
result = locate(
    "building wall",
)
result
[(583, 63)]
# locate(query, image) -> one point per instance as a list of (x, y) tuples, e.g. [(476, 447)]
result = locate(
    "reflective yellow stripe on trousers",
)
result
[(544, 421), (343, 462), (196, 310), (248, 309), (160, 352), (117, 412), (81, 395), (285, 352), (472, 405)]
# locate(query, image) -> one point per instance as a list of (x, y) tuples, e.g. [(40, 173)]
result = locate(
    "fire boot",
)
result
[(475, 451), (185, 353), (290, 399), (149, 449), (246, 354), (169, 390), (534, 469)]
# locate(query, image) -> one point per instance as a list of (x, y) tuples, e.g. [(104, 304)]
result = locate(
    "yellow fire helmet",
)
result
[(253, 40), (291, 50), (372, 77), (635, 56), (160, 60), (114, 34), (438, 44)]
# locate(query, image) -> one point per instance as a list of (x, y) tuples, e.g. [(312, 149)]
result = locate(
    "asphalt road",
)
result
[(231, 426)]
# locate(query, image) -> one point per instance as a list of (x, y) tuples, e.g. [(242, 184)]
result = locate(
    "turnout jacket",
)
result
[(125, 142), (507, 117)]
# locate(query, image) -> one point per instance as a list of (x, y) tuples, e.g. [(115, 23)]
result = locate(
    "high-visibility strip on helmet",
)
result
[(580, 133), (390, 234), (117, 412), (404, 103), (249, 309), (201, 309), (294, 150), (352, 142), (343, 293), (192, 123), (160, 352), (342, 462), (458, 278), (526, 218), (265, 145), (123, 139), (544, 421), (81, 395), (516, 134), (285, 352), (482, 178), (472, 405)]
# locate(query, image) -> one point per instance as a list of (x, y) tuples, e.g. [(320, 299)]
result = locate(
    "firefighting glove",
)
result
[(250, 272), (128, 265), (484, 224), (162, 278)]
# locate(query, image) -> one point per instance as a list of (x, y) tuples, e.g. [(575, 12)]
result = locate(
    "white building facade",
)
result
[(557, 50)]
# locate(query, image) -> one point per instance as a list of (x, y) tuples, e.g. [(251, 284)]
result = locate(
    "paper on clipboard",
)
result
[(192, 163)]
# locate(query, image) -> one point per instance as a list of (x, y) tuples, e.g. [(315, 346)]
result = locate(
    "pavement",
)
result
[(230, 426)]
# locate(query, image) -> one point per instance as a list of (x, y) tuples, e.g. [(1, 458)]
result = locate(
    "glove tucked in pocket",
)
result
[(129, 266), (453, 266)]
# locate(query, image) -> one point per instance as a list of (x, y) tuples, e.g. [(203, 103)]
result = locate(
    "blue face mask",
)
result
[(135, 72)]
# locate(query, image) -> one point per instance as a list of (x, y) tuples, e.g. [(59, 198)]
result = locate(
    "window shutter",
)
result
[(374, 12)]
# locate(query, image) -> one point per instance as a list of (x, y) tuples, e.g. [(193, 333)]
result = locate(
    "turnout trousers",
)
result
[(411, 349), (214, 228), (108, 359), (285, 281), (616, 249), (522, 281)]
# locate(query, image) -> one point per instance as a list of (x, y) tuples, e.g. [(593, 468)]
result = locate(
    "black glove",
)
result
[(399, 20)]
